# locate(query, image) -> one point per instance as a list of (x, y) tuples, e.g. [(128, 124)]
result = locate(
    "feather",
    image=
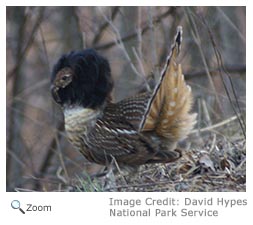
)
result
[(168, 109)]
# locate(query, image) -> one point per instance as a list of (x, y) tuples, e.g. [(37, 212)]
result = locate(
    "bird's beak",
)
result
[(55, 94)]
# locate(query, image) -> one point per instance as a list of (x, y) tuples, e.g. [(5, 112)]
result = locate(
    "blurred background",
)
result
[(135, 40)]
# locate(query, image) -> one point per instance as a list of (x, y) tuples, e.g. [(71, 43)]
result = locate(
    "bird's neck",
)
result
[(79, 120), (78, 114)]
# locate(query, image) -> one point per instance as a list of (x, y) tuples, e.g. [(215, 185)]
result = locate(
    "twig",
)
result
[(154, 61), (24, 190), (37, 122), (118, 40), (16, 158), (199, 117), (28, 44), (27, 91), (208, 91), (59, 150), (44, 49), (234, 27), (240, 68), (224, 122), (60, 177), (158, 19), (49, 155), (139, 35), (196, 37), (209, 123), (141, 67), (103, 27), (206, 113), (221, 67)]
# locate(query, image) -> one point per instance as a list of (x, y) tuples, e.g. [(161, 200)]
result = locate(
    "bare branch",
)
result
[(141, 67), (104, 26), (120, 44), (158, 19), (214, 126), (28, 44), (153, 44), (139, 35), (233, 26), (197, 39), (222, 68)]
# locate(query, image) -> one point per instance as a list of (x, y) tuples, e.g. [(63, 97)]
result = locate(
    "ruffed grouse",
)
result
[(141, 129)]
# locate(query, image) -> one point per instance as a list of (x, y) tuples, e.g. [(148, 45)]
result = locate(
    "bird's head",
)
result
[(81, 78)]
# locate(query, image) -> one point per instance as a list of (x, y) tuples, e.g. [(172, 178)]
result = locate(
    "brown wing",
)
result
[(131, 109), (114, 137)]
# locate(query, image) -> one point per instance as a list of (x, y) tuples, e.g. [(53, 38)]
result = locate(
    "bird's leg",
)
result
[(110, 180), (118, 171)]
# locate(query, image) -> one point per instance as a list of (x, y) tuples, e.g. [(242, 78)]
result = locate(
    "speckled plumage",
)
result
[(141, 129)]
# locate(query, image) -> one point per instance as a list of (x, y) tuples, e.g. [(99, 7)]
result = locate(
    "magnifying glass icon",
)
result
[(15, 204)]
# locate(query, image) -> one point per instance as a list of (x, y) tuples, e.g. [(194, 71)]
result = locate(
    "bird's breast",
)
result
[(78, 122)]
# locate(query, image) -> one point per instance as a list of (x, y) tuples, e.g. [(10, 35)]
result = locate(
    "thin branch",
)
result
[(208, 91), (205, 112), (214, 126), (121, 45), (50, 153), (200, 113), (139, 36), (39, 123), (141, 68), (61, 157), (153, 44), (209, 123), (104, 26), (158, 19), (29, 90), (221, 67), (16, 158), (44, 49), (232, 25), (28, 44), (196, 37), (240, 68)]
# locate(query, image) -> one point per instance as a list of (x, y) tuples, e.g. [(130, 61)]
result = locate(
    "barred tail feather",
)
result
[(168, 109)]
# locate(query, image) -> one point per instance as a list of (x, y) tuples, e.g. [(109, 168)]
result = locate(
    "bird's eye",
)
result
[(66, 77), (65, 80)]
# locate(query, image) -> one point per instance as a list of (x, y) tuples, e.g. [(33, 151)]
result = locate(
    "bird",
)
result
[(141, 129)]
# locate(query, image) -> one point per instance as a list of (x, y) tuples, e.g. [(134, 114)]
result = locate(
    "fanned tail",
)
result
[(168, 109)]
